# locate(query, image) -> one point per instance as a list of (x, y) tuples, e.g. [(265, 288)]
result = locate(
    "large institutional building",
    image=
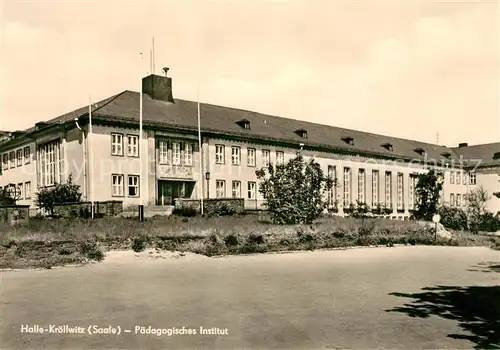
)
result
[(109, 161)]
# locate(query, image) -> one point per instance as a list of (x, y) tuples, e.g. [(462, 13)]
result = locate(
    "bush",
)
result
[(220, 209), (489, 223), (231, 240), (185, 211), (5, 197), (255, 239), (47, 197), (139, 243), (453, 218), (91, 251)]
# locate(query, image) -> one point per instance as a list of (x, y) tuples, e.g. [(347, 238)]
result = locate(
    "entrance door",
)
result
[(168, 191), (164, 193)]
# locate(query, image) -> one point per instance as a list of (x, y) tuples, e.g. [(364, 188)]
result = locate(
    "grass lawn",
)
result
[(47, 243)]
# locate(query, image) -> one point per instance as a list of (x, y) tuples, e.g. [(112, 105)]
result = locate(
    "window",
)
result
[(347, 186), (400, 190), (280, 157), (5, 161), (117, 185), (458, 178), (452, 199), (188, 154), (12, 159), (252, 190), (133, 186), (459, 200), (117, 144), (27, 190), (375, 185), (452, 177), (464, 178), (19, 157), (132, 146), (266, 157), (413, 184), (251, 156), (27, 154), (388, 189), (176, 153), (219, 154), (361, 185), (472, 178), (220, 188), (21, 190), (50, 163), (235, 155), (236, 189), (163, 150), (332, 193)]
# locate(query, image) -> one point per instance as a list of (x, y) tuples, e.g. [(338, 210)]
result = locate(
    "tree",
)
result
[(6, 197), (475, 204), (428, 190), (67, 192), (294, 192)]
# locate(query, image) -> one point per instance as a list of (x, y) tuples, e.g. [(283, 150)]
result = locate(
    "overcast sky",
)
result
[(408, 69)]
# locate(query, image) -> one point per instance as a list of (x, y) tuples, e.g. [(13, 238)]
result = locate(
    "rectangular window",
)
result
[(50, 163), (388, 189), (220, 188), (12, 159), (411, 193), (280, 158), (19, 157), (21, 190), (27, 190), (219, 154), (361, 185), (452, 199), (236, 189), (176, 153), (452, 177), (400, 191), (235, 155), (117, 144), (188, 154), (163, 152), (464, 178), (266, 158), (133, 186), (332, 193), (375, 185), (117, 185), (5, 161), (252, 190), (472, 178), (347, 187), (132, 146), (251, 156), (27, 155), (458, 178), (459, 200)]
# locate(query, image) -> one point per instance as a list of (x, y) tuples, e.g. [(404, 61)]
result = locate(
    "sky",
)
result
[(423, 70)]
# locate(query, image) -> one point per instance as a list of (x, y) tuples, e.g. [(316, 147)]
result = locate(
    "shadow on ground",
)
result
[(476, 308)]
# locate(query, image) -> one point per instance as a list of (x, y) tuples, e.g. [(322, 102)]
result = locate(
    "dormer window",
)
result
[(302, 133), (420, 151), (496, 155), (349, 140), (41, 125), (245, 124), (387, 146), (446, 155)]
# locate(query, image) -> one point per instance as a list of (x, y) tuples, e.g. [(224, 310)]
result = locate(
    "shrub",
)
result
[(91, 251), (294, 192), (67, 192), (185, 211), (255, 239), (453, 218), (139, 243), (231, 240), (360, 210), (489, 223), (220, 209), (5, 197)]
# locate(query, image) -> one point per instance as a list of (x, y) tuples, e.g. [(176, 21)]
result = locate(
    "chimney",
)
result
[(463, 144), (158, 87)]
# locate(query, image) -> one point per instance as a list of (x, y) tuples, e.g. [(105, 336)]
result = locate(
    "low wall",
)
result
[(84, 209), (13, 214), (209, 205)]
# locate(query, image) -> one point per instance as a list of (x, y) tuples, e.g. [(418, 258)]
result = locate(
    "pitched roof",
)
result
[(226, 120), (484, 152)]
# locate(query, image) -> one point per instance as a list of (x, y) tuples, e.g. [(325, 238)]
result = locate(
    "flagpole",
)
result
[(199, 153), (91, 167), (141, 155)]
